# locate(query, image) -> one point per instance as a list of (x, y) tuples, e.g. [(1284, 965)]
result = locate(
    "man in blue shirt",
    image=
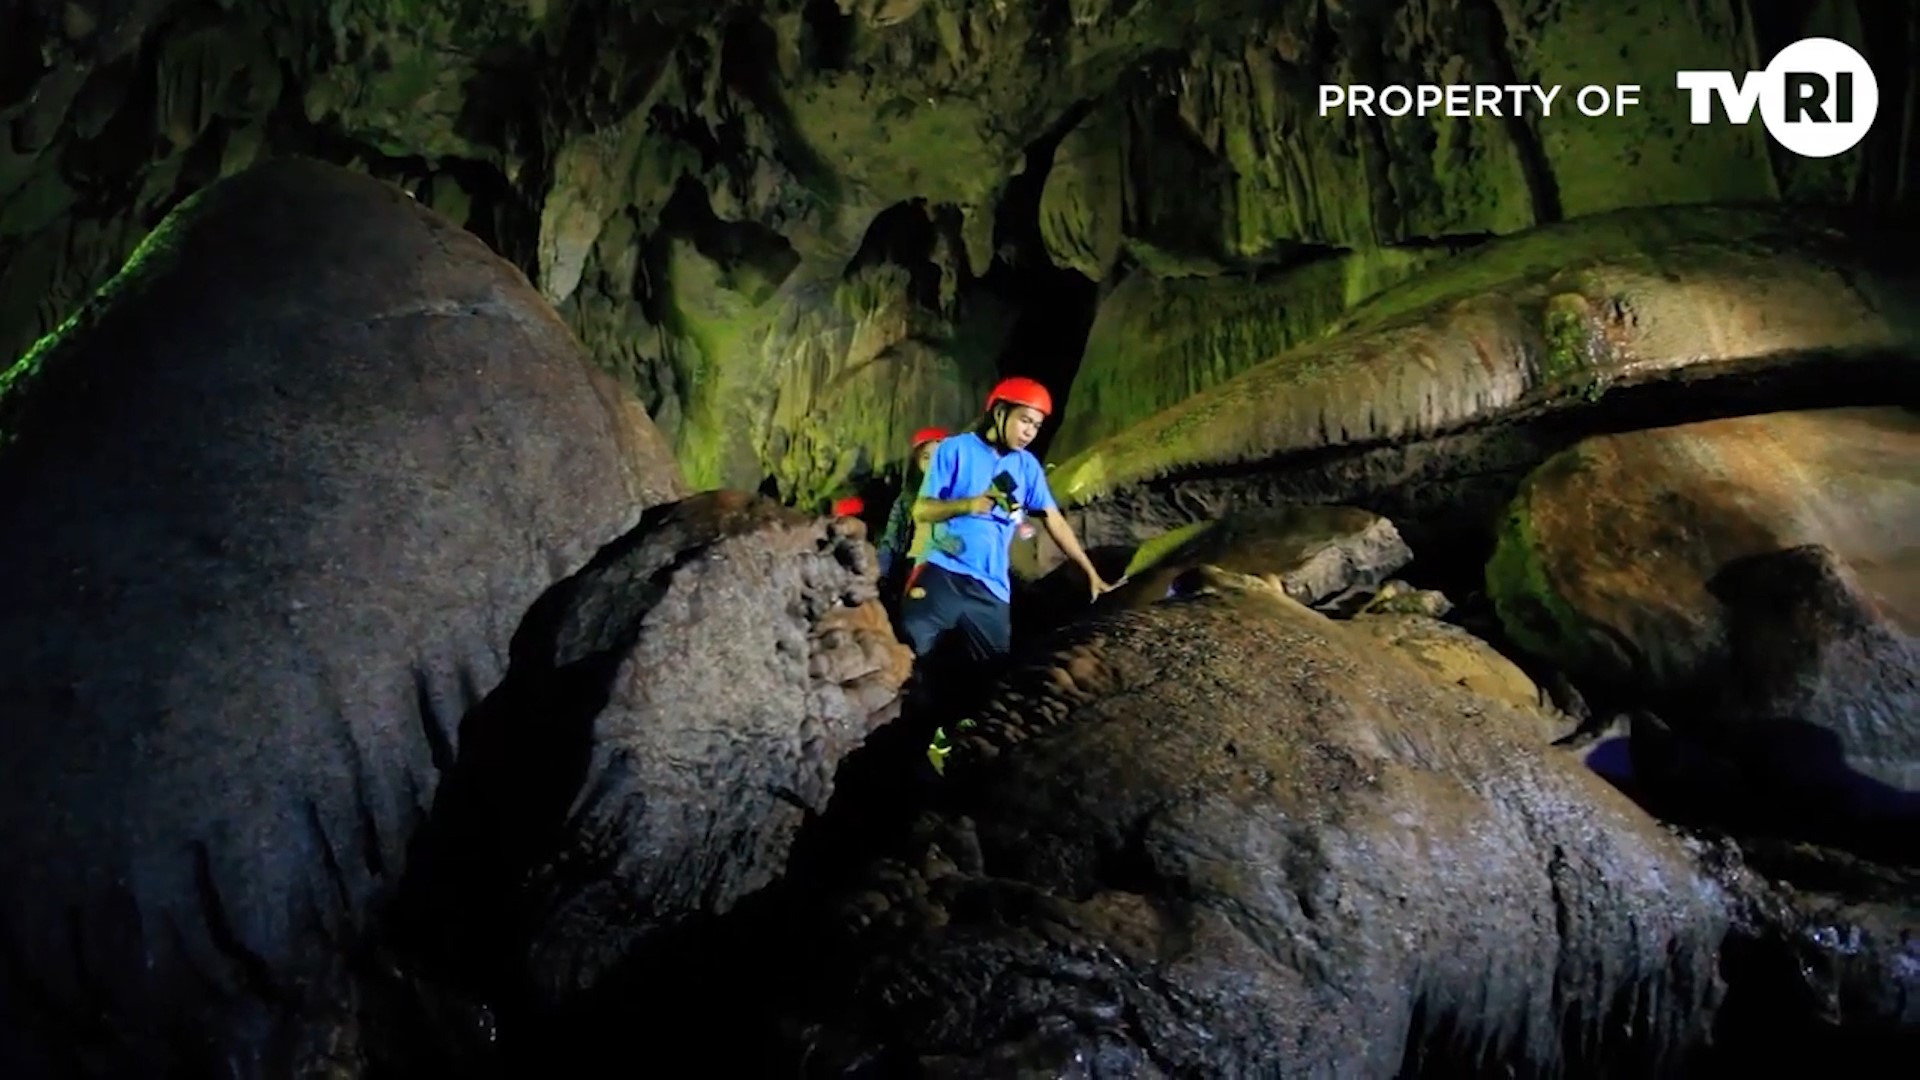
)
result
[(978, 488)]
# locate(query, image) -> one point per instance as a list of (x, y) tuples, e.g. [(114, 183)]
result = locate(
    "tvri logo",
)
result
[(1817, 96)]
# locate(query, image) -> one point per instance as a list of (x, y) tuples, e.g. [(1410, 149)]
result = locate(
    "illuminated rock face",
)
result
[(1555, 319), (292, 481), (1755, 576)]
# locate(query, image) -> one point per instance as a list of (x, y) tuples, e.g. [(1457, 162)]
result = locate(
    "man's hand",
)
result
[(1100, 586)]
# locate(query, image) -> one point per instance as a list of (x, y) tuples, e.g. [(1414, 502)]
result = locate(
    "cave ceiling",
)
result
[(800, 230)]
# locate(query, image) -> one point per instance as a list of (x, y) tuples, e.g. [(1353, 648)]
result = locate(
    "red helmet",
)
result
[(927, 435), (851, 506), (1022, 391)]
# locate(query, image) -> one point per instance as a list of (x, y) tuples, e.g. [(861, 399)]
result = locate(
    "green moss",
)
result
[(1539, 253), (1530, 609), (1569, 338), (1170, 264), (858, 372), (715, 328), (937, 147), (1156, 342), (1166, 545), (398, 76), (1650, 154), (35, 368), (870, 290)]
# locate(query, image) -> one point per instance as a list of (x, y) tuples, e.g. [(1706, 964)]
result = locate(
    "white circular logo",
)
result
[(1820, 97)]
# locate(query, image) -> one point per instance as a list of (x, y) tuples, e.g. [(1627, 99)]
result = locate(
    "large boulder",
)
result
[(278, 498), (674, 713), (1753, 575), (1227, 835), (1823, 686)]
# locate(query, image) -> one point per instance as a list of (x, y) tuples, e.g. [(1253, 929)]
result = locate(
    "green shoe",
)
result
[(938, 749)]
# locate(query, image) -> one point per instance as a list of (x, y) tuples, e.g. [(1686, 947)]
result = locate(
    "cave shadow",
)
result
[(458, 928), (1790, 784), (1045, 605)]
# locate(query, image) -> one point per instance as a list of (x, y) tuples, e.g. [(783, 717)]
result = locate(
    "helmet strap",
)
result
[(997, 423)]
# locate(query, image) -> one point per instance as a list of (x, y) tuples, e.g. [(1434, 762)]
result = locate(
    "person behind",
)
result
[(903, 541), (979, 487)]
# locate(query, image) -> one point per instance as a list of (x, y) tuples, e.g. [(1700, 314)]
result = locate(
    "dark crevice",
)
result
[(1056, 304), (22, 28), (329, 858), (255, 975), (1542, 188), (828, 37), (524, 755), (432, 727), (903, 235)]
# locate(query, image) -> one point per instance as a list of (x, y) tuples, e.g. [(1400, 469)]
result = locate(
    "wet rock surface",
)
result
[(1455, 657), (1822, 694), (675, 712), (292, 480), (1573, 574), (1230, 835), (1750, 577)]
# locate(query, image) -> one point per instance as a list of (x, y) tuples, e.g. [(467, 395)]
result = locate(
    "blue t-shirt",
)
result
[(976, 544)]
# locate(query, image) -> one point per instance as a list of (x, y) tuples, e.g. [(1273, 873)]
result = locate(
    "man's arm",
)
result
[(1042, 500), (1062, 533), (935, 503), (928, 511)]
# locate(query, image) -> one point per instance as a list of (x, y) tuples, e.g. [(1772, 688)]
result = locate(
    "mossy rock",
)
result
[(1541, 323), (1520, 585)]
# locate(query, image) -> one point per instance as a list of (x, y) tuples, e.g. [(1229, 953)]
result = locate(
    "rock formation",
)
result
[(280, 496), (1314, 554), (674, 713), (1228, 835), (1497, 333), (1753, 574)]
